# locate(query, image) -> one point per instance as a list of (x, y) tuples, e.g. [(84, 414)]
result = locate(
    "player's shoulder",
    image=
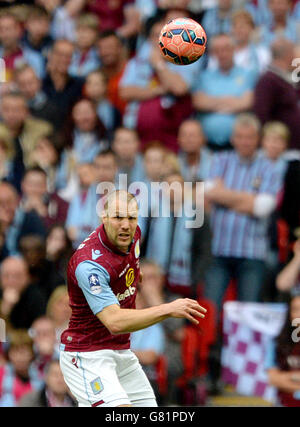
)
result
[(90, 250)]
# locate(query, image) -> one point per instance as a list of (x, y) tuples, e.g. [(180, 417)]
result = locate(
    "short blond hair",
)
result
[(118, 194), (243, 15), (59, 292), (246, 120), (277, 128), (88, 20)]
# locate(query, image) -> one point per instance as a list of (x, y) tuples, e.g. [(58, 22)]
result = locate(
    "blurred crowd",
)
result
[(85, 96)]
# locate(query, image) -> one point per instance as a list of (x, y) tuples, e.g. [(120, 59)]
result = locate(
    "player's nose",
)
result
[(125, 224)]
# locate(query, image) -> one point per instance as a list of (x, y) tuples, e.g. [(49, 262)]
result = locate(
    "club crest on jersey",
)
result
[(129, 277), (96, 385), (137, 249), (94, 284)]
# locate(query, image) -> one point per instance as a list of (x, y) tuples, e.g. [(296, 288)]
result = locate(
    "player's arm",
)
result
[(121, 320)]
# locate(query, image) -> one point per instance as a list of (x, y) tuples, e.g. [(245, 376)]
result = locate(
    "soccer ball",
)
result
[(182, 41)]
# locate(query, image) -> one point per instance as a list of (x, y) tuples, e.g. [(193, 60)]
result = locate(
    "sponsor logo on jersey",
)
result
[(124, 271), (130, 291), (129, 277), (96, 254), (96, 385), (137, 249), (94, 284)]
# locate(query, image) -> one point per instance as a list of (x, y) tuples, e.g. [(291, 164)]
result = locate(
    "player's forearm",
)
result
[(131, 320)]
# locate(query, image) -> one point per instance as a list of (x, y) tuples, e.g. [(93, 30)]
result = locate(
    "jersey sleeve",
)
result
[(94, 280)]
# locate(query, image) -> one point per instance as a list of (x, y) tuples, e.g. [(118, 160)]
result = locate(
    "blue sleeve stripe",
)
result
[(94, 280), (92, 264)]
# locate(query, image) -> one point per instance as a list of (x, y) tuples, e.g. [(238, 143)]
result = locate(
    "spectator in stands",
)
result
[(82, 218), (58, 310), (194, 157), (85, 57), (23, 129), (217, 19), (15, 223), (242, 189), (85, 133), (148, 345), (95, 89), (18, 377), (30, 86), (42, 271), (59, 249), (154, 163), (125, 144), (157, 92), (172, 163), (45, 346), (283, 361), (62, 89), (54, 394), (106, 167), (236, 203), (247, 54), (222, 93), (37, 35), (275, 140), (12, 50), (21, 302), (64, 15), (189, 248), (289, 278), (46, 156), (153, 282), (113, 57), (6, 158), (122, 17), (275, 96), (50, 207), (281, 23)]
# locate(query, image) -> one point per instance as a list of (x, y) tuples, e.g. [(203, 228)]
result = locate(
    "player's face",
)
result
[(120, 222)]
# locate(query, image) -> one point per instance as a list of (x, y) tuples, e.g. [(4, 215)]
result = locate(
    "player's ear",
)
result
[(104, 216)]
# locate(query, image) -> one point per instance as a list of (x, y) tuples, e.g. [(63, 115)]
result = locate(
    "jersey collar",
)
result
[(107, 243)]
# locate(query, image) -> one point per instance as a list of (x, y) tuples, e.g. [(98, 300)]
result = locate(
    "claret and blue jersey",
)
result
[(99, 275)]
